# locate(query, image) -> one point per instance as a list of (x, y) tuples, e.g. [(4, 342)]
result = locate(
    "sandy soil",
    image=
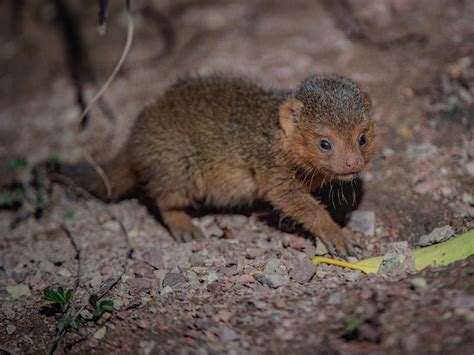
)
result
[(250, 287)]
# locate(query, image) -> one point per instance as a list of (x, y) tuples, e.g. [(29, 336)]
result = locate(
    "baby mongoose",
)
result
[(226, 141)]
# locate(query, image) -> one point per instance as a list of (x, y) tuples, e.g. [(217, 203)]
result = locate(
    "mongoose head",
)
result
[(328, 127)]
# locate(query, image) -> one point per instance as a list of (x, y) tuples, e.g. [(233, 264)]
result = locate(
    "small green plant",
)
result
[(40, 200), (66, 322), (69, 214), (54, 159), (10, 198), (59, 297), (100, 306), (353, 323), (17, 163)]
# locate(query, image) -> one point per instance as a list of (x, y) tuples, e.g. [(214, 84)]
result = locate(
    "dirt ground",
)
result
[(250, 287)]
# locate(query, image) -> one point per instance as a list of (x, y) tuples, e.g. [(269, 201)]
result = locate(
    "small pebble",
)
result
[(275, 280), (166, 290), (18, 291), (303, 271), (470, 168), (363, 222), (226, 335), (112, 226), (10, 329), (437, 235), (212, 277), (100, 333), (419, 283), (335, 298), (246, 279), (272, 266)]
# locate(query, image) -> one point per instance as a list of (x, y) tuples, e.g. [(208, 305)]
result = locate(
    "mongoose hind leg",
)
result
[(179, 222)]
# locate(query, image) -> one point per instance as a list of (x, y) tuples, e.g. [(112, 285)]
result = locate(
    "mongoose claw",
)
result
[(338, 244), (188, 235)]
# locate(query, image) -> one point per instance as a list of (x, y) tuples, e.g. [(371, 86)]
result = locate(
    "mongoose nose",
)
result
[(352, 164)]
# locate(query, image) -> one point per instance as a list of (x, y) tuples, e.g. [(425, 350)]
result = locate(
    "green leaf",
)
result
[(353, 323), (58, 296), (69, 214), (9, 197), (53, 296), (40, 200), (106, 306), (68, 296), (6, 199), (103, 306), (17, 163), (54, 159)]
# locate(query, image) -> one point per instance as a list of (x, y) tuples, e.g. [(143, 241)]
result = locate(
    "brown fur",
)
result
[(228, 141)]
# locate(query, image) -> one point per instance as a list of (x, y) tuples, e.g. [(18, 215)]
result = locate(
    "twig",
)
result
[(82, 119), (99, 171), (77, 250), (107, 285), (128, 44)]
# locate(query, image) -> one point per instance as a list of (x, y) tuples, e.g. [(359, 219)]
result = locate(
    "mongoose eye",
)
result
[(362, 139), (324, 144)]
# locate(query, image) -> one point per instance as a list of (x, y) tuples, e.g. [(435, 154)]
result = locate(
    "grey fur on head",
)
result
[(333, 100)]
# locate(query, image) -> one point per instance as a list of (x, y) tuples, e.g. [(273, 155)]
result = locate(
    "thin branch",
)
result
[(77, 250), (128, 44)]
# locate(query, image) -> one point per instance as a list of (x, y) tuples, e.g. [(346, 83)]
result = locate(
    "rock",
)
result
[(246, 279), (174, 280), (468, 198), (191, 277), (154, 257), (363, 222), (437, 235), (143, 324), (421, 151), (320, 249), (64, 273), (139, 285), (112, 226), (275, 280), (18, 291), (465, 302), (427, 186), (352, 276), (226, 335), (166, 290), (397, 260), (303, 271), (147, 346), (274, 266), (418, 283), (198, 246), (335, 298), (271, 266), (297, 243), (387, 152), (100, 333), (212, 277), (470, 168), (223, 315), (252, 253), (10, 329)]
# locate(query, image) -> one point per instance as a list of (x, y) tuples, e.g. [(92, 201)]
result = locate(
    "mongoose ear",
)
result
[(290, 112)]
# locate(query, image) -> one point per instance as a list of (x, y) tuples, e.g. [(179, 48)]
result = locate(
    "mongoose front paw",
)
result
[(336, 241), (187, 234)]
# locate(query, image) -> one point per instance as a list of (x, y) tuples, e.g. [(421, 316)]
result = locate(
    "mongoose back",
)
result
[(227, 141)]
